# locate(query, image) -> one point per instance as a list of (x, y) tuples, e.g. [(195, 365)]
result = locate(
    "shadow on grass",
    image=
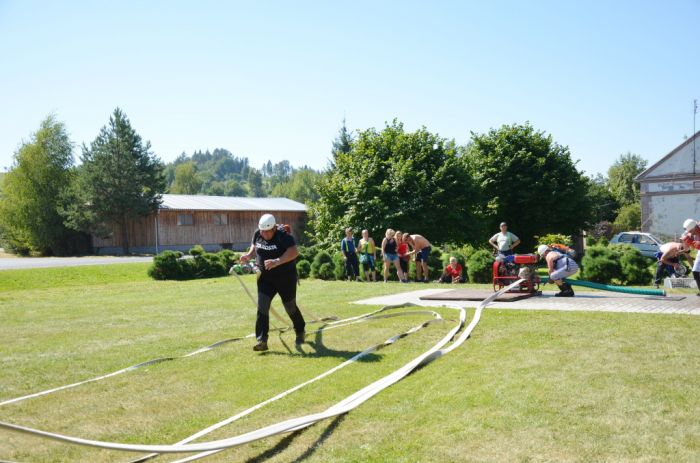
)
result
[(288, 440), (321, 350)]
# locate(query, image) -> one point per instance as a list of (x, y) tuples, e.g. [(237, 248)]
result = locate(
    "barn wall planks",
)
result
[(205, 230)]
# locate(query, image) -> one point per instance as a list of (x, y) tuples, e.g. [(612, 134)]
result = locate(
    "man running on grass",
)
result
[(275, 251)]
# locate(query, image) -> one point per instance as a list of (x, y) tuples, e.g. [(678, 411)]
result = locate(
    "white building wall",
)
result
[(666, 213)]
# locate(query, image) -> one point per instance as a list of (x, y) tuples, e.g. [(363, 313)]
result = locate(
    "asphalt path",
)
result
[(15, 263)]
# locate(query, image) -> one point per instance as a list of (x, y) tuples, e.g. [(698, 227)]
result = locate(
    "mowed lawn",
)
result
[(527, 386)]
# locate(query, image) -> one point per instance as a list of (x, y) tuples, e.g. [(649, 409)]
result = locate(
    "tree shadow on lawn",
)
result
[(321, 350), (282, 445)]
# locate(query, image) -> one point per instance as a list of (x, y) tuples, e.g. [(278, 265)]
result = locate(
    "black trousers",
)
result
[(352, 266), (269, 286), (665, 269)]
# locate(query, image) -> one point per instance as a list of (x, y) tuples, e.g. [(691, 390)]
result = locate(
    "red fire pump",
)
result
[(509, 269)]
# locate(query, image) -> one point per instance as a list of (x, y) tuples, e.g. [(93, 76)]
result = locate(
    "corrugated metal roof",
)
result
[(229, 203)]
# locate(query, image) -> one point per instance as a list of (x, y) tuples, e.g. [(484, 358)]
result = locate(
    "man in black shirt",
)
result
[(275, 251)]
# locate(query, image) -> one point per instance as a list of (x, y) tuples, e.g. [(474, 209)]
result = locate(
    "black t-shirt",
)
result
[(280, 242)]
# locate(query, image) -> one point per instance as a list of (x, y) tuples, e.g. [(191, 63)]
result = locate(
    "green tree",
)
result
[(119, 181), (255, 184), (629, 218), (301, 186), (604, 206), (531, 183), (414, 181), (186, 181), (621, 177), (342, 143), (29, 208)]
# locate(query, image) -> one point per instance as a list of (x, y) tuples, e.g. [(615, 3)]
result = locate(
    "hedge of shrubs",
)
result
[(622, 264), (172, 265), (616, 264)]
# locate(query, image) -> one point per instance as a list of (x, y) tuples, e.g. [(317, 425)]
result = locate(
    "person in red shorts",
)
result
[(452, 273)]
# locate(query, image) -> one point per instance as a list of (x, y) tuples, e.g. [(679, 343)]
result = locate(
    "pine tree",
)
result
[(119, 181)]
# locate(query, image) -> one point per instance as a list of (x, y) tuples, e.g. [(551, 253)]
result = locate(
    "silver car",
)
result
[(647, 243)]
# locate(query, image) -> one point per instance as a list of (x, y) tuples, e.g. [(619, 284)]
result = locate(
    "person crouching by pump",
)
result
[(275, 251), (559, 266)]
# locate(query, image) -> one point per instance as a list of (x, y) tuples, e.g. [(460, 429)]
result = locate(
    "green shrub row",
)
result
[(172, 265), (616, 264)]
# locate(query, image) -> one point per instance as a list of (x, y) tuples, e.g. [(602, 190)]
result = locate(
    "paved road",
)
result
[(14, 263), (588, 302)]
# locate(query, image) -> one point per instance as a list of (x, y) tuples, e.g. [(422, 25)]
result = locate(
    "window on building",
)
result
[(185, 219), (220, 219)]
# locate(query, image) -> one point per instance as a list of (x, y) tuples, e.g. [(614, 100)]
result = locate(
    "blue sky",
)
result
[(273, 80)]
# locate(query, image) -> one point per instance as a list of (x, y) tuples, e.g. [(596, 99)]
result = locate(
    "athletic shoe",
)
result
[(300, 338), (260, 346)]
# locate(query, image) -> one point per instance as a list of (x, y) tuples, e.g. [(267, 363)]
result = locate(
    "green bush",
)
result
[(197, 250), (229, 257), (555, 238), (338, 266), (435, 263), (322, 257), (480, 266), (167, 266), (633, 265), (207, 265), (303, 268), (326, 271), (601, 264), (308, 253)]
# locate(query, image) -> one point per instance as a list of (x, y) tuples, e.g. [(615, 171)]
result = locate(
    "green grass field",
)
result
[(528, 386)]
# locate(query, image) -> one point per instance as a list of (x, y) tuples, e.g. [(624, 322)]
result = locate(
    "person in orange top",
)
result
[(452, 273)]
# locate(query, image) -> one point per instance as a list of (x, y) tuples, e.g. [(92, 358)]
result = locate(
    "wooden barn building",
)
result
[(215, 222)]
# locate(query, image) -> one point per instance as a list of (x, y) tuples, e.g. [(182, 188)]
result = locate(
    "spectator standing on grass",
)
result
[(367, 250), (452, 273), (403, 252), (669, 260), (349, 250), (275, 251), (390, 255), (504, 242), (691, 238), (559, 266), (421, 247)]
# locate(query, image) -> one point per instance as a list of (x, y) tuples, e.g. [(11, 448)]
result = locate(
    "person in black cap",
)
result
[(275, 251)]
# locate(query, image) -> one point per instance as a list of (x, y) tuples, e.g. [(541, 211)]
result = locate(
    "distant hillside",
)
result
[(221, 173)]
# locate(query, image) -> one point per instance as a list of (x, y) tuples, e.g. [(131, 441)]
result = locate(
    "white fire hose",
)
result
[(207, 448)]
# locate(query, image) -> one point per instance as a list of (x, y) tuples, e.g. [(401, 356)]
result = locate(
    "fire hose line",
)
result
[(166, 359), (294, 424)]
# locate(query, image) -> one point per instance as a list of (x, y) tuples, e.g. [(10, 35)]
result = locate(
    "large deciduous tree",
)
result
[(119, 181), (621, 177), (187, 181), (29, 208), (301, 186), (530, 181), (413, 181)]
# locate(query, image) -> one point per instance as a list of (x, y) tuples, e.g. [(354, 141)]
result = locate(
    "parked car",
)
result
[(647, 243)]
